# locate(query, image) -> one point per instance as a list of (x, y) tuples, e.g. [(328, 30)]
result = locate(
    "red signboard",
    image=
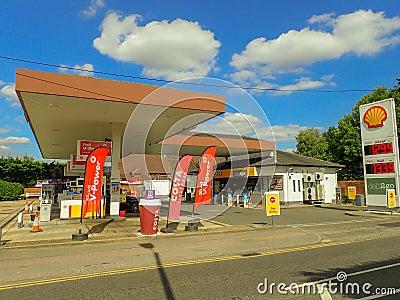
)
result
[(135, 180), (84, 148), (76, 164)]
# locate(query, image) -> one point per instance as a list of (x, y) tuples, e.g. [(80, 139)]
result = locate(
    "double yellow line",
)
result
[(170, 265)]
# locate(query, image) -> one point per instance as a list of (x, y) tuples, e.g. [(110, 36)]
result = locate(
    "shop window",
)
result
[(276, 184), (294, 185), (299, 183)]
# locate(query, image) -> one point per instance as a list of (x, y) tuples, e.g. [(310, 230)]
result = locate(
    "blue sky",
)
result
[(282, 46)]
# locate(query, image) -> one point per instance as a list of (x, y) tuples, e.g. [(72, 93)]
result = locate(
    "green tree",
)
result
[(27, 170), (344, 142), (345, 148), (312, 143), (10, 190)]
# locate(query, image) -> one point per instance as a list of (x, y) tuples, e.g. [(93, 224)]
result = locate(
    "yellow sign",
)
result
[(272, 204), (351, 192), (122, 198), (391, 198)]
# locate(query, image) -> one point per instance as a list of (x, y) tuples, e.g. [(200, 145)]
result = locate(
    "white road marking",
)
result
[(336, 222), (325, 295)]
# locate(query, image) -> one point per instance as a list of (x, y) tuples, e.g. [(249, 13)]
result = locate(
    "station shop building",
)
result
[(297, 178)]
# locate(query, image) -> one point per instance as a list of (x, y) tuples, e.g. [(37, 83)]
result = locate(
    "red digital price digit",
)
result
[(383, 149), (389, 148), (375, 149), (391, 167), (377, 168)]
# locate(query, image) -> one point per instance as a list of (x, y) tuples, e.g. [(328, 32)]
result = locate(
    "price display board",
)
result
[(380, 150)]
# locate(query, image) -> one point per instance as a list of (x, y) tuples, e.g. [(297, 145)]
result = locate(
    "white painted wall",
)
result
[(293, 194), (330, 183), (294, 187)]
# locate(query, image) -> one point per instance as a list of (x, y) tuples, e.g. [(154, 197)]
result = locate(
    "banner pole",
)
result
[(84, 236)]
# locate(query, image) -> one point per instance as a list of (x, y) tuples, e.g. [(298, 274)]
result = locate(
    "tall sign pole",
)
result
[(380, 151)]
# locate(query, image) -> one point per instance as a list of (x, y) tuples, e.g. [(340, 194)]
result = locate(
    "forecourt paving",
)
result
[(234, 219)]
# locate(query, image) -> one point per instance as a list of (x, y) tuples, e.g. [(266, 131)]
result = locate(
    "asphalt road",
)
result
[(251, 276), (214, 266), (289, 216)]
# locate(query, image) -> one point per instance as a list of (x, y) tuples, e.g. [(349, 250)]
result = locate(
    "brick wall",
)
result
[(32, 191), (359, 184)]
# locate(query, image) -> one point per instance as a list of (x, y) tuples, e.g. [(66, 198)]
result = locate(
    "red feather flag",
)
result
[(204, 178), (177, 187), (91, 197)]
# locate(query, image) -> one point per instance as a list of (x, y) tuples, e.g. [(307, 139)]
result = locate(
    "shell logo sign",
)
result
[(375, 116)]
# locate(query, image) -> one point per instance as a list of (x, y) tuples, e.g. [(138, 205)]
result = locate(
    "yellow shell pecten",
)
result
[(375, 116)]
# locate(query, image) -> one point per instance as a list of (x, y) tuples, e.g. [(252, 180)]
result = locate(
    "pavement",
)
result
[(114, 228)]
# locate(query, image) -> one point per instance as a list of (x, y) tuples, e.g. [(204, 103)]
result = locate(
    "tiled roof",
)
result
[(291, 159), (283, 159)]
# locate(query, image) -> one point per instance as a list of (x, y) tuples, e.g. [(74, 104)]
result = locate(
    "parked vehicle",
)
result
[(131, 204)]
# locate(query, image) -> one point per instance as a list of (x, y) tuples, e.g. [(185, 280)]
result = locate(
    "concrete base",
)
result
[(80, 236), (167, 230), (170, 227), (192, 226)]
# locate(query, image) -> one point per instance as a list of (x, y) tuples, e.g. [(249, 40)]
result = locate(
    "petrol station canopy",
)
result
[(64, 108)]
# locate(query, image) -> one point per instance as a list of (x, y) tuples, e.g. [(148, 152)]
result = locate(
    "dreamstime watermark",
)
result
[(337, 285)]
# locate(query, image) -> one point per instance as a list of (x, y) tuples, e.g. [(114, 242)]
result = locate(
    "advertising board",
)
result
[(380, 150)]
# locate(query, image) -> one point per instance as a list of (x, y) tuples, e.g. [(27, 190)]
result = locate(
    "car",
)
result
[(131, 204)]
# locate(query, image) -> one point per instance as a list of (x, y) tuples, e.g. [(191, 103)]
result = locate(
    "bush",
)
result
[(346, 200), (10, 190)]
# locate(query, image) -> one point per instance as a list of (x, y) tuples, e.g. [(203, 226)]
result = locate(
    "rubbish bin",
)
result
[(360, 200), (149, 211), (45, 212)]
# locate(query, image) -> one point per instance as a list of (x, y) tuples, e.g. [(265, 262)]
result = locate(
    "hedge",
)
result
[(10, 190)]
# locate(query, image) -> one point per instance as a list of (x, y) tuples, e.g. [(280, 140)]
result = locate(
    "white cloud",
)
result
[(303, 83), (172, 50), (231, 123), (361, 33), (84, 70), (249, 125), (12, 140), (93, 7), (9, 152), (5, 151), (325, 18), (20, 119), (287, 133), (10, 95), (6, 129)]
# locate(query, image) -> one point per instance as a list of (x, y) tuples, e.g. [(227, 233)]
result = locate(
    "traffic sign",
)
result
[(272, 204), (391, 198), (351, 192)]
